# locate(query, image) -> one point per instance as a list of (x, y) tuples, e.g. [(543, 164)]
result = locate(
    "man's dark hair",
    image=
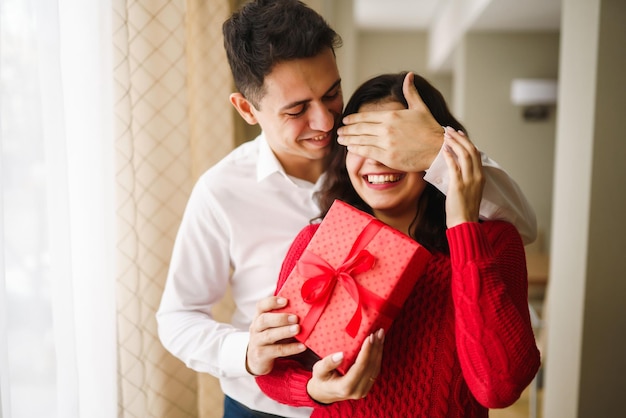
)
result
[(263, 33)]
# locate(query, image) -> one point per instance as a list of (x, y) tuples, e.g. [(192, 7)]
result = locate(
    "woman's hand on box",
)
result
[(327, 385)]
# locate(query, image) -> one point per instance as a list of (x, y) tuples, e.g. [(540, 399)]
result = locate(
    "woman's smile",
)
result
[(383, 178)]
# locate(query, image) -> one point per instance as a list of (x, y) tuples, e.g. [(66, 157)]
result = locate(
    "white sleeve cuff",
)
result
[(233, 355), (437, 173)]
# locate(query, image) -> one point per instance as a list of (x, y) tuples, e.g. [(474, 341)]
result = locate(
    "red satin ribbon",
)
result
[(322, 279)]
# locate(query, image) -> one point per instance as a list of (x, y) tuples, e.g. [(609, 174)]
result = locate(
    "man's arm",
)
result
[(198, 278)]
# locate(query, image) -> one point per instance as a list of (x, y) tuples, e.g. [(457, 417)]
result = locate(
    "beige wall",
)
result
[(483, 75), (587, 316), (389, 52)]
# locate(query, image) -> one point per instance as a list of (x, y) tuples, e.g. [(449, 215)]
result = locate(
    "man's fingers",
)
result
[(275, 335), (369, 118), (271, 336), (270, 303), (364, 128), (411, 94), (260, 358), (366, 151), (269, 321), (275, 351)]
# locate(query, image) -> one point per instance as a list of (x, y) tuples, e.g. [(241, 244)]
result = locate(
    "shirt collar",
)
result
[(267, 164)]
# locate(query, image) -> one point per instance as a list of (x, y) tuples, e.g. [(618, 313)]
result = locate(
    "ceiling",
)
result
[(496, 15)]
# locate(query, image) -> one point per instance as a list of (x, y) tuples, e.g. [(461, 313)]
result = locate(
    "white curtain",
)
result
[(57, 280)]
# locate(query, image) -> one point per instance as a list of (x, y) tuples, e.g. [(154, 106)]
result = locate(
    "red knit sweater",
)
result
[(462, 343)]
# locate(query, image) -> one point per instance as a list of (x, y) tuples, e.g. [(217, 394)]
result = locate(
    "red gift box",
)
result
[(351, 280)]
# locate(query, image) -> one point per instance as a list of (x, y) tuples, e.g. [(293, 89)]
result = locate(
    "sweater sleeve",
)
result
[(495, 340), (287, 381)]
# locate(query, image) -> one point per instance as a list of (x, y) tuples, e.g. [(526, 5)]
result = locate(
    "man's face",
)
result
[(300, 110)]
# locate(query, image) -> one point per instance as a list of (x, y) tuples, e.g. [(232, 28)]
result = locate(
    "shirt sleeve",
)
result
[(502, 197), (197, 279), (495, 341)]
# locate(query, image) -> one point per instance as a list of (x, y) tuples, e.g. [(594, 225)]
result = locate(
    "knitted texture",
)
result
[(463, 342)]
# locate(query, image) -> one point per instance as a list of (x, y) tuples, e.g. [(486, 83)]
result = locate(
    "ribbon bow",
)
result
[(322, 279)]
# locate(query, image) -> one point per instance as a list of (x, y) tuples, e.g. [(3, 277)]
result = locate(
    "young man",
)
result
[(245, 211)]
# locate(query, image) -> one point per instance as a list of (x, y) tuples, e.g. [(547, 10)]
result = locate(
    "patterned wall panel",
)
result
[(212, 132), (173, 121)]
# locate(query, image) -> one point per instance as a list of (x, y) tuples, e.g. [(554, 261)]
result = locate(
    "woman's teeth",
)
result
[(319, 138), (382, 178)]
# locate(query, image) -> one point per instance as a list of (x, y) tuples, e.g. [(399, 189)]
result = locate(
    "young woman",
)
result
[(463, 341)]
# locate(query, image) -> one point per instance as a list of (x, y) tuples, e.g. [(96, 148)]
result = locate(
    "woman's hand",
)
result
[(328, 386), (466, 178)]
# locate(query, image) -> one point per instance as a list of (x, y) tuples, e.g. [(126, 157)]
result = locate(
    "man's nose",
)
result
[(321, 118)]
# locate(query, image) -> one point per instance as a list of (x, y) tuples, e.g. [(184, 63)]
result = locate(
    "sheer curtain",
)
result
[(57, 294)]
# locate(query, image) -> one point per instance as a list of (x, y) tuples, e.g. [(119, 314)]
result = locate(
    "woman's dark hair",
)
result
[(429, 226), (263, 33)]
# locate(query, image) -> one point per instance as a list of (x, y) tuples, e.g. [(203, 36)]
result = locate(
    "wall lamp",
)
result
[(535, 95)]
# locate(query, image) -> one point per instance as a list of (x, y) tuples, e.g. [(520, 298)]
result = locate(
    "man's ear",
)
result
[(244, 107)]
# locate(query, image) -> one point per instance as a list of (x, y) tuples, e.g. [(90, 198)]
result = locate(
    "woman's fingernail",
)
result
[(337, 357), (281, 301), (292, 319), (294, 329)]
